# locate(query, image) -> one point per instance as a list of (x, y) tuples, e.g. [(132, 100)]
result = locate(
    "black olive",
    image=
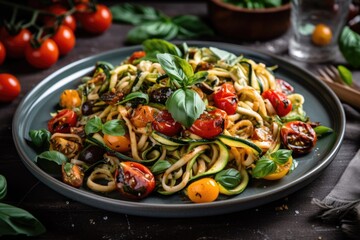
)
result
[(160, 95), (87, 108), (92, 154)]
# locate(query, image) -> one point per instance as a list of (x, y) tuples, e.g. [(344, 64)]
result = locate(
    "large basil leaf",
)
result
[(134, 14), (114, 128), (281, 156), (349, 45), (14, 221), (94, 125), (54, 156), (40, 137), (3, 187), (225, 56), (191, 26), (263, 168), (228, 178), (161, 46)]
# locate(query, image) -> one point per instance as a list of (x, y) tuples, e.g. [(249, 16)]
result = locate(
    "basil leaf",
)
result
[(160, 166), (197, 78), (223, 55), (135, 95), (3, 187), (15, 221), (134, 14), (94, 125), (160, 46), (281, 156), (349, 45), (185, 106), (53, 156), (322, 131), (114, 128), (40, 137), (345, 74), (229, 178), (263, 168), (191, 26), (176, 68), (154, 29)]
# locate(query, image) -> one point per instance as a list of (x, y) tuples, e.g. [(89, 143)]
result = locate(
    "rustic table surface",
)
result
[(292, 217)]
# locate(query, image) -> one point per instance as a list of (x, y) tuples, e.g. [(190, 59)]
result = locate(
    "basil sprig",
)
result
[(268, 163), (112, 127), (40, 137), (225, 56), (228, 178), (185, 105), (15, 221), (349, 45)]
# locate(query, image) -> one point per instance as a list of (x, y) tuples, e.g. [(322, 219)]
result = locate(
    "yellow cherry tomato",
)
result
[(321, 35), (281, 171), (69, 99), (118, 143), (203, 190)]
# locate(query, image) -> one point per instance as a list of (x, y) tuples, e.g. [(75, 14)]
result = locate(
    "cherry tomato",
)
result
[(281, 171), (203, 190), (142, 115), (43, 57), (165, 124), (58, 10), (64, 39), (63, 121), (70, 98), (72, 174), (96, 22), (298, 136), (226, 98), (15, 44), (118, 143), (322, 35), (9, 87), (279, 101), (134, 180), (284, 86), (136, 55), (209, 124), (2, 53)]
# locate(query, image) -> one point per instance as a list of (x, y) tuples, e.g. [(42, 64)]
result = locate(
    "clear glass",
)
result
[(306, 15)]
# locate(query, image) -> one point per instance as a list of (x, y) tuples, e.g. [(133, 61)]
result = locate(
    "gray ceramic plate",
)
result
[(320, 104)]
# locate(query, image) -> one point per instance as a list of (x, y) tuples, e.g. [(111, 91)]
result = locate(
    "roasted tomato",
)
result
[(284, 86), (279, 101), (118, 143), (72, 174), (209, 124), (225, 98), (63, 121), (298, 136), (134, 180), (136, 55), (142, 115), (203, 190), (70, 98), (165, 124)]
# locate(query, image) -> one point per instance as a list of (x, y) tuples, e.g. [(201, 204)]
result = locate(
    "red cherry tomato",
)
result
[(298, 136), (226, 98), (134, 180), (63, 121), (58, 10), (284, 86), (43, 57), (96, 22), (279, 101), (64, 39), (2, 53), (165, 124), (72, 174), (209, 124), (9, 87), (136, 55), (15, 44)]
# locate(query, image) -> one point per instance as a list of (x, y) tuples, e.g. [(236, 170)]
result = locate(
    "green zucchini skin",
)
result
[(240, 142)]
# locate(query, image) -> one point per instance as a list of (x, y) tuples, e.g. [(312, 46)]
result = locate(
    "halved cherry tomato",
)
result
[(15, 44), (118, 143), (44, 56), (64, 39), (142, 115), (165, 124), (284, 86), (9, 87), (134, 180), (279, 101), (72, 174), (58, 10), (209, 124), (136, 55), (298, 136), (96, 22), (226, 98), (281, 170), (63, 121), (2, 53), (203, 190), (70, 98)]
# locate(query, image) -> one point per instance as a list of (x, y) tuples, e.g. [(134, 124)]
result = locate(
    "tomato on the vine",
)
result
[(134, 180), (58, 10), (64, 39), (9, 87), (165, 124), (15, 44), (298, 136), (44, 56), (96, 22), (225, 98), (279, 101), (2, 53), (63, 121), (210, 124)]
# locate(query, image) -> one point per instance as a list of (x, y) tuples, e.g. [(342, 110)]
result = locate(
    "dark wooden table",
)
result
[(292, 217)]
